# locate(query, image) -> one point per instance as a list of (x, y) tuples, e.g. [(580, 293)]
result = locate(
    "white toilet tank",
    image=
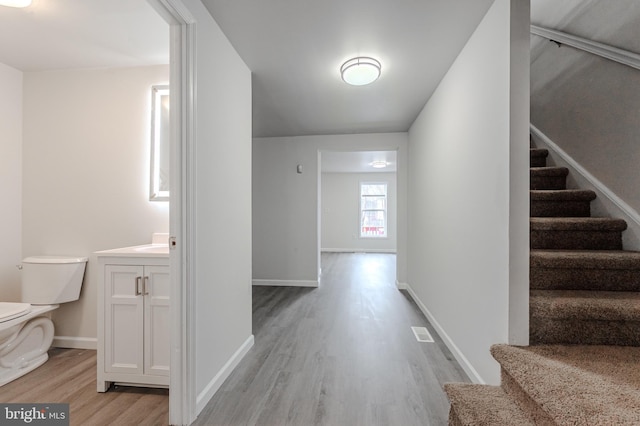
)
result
[(48, 280)]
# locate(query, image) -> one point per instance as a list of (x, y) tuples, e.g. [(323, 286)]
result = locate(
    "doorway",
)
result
[(358, 202)]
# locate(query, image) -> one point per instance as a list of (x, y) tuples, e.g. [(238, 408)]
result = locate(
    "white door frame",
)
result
[(182, 395)]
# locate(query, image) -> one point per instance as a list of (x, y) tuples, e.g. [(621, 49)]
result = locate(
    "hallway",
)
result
[(340, 354)]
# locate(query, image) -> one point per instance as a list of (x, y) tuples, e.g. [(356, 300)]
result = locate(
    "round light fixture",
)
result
[(15, 3), (378, 164), (360, 71)]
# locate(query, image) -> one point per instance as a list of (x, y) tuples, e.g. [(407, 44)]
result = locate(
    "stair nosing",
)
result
[(585, 305), (559, 195), (567, 404), (604, 224), (585, 259), (458, 391)]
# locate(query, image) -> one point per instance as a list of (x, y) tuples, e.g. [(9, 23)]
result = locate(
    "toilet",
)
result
[(26, 331)]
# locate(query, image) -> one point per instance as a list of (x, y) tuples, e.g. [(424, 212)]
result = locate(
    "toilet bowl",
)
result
[(26, 331)]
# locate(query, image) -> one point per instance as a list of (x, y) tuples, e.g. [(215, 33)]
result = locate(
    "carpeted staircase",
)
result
[(583, 365)]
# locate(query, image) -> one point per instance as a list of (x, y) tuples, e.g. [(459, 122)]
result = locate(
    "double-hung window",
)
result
[(373, 210)]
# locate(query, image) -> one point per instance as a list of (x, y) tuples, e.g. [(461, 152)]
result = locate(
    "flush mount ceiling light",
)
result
[(378, 164), (15, 3), (360, 71)]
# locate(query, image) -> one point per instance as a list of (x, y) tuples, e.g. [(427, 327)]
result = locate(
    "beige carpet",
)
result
[(583, 367)]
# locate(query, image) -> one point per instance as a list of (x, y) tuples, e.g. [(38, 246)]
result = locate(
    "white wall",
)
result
[(460, 185), (286, 204), (340, 208), (86, 172), (222, 206), (10, 182)]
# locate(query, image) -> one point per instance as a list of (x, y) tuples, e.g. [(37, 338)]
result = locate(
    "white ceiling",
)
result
[(357, 162), (64, 34), (295, 49)]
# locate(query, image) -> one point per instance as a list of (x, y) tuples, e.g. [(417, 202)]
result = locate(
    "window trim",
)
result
[(385, 210)]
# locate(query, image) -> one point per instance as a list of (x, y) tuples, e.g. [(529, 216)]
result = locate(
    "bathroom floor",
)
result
[(70, 377)]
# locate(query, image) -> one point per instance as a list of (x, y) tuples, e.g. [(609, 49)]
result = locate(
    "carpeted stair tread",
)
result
[(585, 305), (576, 385), (577, 224), (538, 157), (562, 195), (538, 152), (548, 177), (611, 270), (548, 171), (473, 404), (561, 203), (575, 233), (586, 259)]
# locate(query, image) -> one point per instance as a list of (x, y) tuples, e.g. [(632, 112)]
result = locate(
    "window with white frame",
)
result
[(373, 210)]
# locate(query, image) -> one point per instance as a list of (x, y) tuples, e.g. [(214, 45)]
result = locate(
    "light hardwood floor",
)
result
[(342, 354), (70, 377)]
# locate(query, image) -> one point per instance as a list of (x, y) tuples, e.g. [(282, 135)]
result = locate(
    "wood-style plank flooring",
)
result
[(340, 354), (70, 377)]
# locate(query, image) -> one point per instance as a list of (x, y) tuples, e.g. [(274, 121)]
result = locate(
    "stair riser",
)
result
[(523, 400), (560, 209), (583, 332), (538, 161), (548, 182), (575, 240), (453, 418), (584, 279)]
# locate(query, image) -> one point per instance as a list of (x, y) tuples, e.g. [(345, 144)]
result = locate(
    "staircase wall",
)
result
[(584, 103), (464, 263), (606, 204)]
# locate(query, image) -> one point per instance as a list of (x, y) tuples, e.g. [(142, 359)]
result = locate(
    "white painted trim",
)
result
[(357, 250), (285, 283), (182, 398), (625, 209), (402, 286), (75, 342), (600, 49), (207, 393), (462, 360)]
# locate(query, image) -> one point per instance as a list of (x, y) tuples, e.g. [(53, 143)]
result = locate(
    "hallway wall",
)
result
[(468, 195), (286, 239)]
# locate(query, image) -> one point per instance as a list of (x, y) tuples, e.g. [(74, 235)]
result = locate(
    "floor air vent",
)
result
[(422, 334)]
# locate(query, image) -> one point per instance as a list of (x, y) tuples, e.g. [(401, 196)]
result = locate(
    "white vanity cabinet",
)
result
[(133, 317)]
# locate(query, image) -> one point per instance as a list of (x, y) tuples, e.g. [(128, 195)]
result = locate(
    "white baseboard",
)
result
[(607, 202), (462, 360), (285, 283), (402, 286), (75, 342), (357, 250), (207, 393)]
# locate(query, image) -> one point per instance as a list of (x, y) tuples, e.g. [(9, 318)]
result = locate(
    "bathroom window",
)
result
[(373, 210)]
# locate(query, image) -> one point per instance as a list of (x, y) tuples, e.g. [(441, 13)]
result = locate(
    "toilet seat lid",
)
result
[(10, 310)]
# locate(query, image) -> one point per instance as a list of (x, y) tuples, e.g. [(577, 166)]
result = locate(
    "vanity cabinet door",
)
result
[(124, 319), (156, 321)]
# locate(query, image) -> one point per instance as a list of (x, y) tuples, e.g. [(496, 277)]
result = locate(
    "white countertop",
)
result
[(147, 250)]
